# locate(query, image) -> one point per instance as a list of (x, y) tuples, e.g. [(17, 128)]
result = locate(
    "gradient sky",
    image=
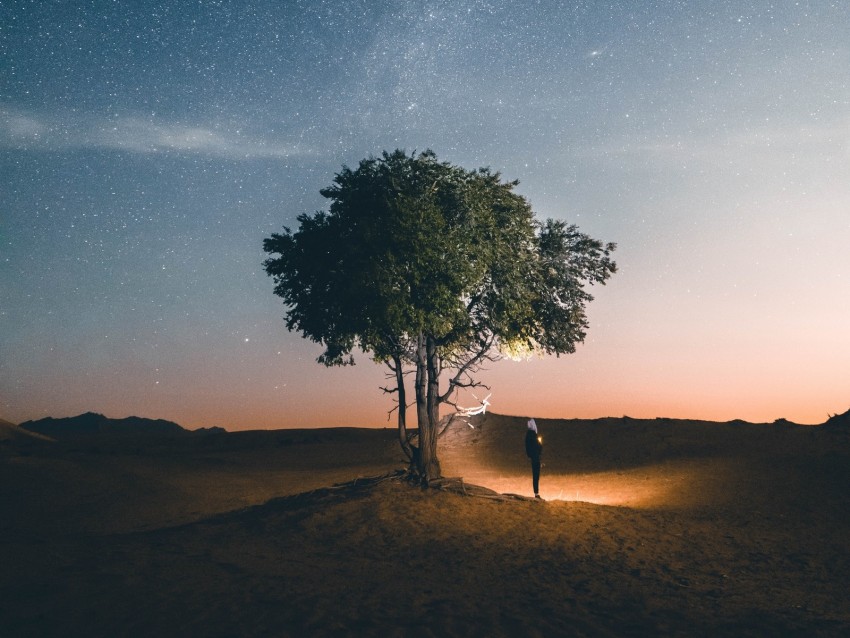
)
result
[(147, 148)]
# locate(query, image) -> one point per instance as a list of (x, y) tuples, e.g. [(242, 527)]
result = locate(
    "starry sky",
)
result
[(146, 149)]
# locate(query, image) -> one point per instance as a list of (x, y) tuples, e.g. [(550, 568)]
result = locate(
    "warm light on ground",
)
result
[(644, 487), (608, 488), (655, 464)]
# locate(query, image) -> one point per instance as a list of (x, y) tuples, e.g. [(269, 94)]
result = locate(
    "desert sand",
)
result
[(648, 528)]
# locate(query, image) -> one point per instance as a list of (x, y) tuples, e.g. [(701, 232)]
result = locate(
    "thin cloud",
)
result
[(25, 131), (822, 139), (772, 150)]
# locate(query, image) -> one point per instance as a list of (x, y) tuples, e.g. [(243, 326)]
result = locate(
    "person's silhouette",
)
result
[(534, 448)]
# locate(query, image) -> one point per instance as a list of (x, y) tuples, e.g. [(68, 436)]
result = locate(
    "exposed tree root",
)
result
[(446, 484)]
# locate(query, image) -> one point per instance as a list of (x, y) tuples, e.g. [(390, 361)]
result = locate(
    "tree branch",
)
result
[(468, 367)]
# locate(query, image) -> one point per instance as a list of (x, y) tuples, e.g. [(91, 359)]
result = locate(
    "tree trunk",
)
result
[(432, 464), (421, 383), (403, 438), (427, 406)]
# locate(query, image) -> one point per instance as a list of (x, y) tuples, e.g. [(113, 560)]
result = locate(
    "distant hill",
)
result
[(93, 423)]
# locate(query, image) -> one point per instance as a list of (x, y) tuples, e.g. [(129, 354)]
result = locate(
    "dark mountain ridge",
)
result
[(94, 423), (839, 420)]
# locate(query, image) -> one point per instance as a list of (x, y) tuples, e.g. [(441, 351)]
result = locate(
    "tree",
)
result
[(428, 268)]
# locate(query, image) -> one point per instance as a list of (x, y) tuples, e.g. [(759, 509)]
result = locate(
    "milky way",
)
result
[(146, 149)]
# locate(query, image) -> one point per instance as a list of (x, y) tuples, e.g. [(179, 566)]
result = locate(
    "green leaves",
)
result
[(413, 246), (567, 261)]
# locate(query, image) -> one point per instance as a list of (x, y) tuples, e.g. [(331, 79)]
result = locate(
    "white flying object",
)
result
[(479, 409)]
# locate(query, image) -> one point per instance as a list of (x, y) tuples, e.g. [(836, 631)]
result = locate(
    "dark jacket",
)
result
[(533, 446)]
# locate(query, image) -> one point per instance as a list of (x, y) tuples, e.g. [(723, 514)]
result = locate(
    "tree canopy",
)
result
[(429, 267)]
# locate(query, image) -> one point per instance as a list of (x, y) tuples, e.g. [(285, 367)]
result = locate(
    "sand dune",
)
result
[(660, 463), (654, 527), (11, 432)]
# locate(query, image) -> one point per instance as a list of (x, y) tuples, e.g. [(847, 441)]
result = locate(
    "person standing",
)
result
[(533, 449)]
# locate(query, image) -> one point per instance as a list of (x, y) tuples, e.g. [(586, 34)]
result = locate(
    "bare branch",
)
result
[(470, 366)]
